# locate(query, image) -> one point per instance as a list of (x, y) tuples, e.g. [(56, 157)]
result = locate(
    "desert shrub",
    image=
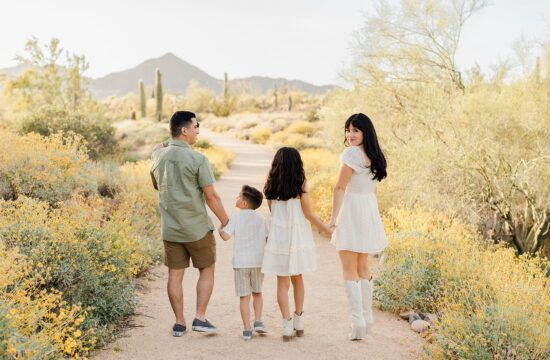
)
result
[(137, 204), (490, 303), (321, 167), (50, 169), (301, 127), (220, 159), (202, 144), (260, 135), (98, 134), (36, 323)]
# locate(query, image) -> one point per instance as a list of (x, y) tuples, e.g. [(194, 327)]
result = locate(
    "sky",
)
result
[(308, 40)]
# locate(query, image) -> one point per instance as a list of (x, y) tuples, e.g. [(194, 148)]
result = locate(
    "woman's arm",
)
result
[(310, 215), (339, 190)]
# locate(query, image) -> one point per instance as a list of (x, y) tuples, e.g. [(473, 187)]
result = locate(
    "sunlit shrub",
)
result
[(490, 303), (260, 135), (220, 159), (49, 169), (301, 127), (98, 134)]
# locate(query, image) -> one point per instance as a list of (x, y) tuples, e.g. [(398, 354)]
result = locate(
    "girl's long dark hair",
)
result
[(286, 177), (370, 144)]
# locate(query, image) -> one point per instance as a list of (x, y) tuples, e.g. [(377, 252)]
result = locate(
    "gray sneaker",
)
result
[(247, 334), (259, 327), (178, 330), (204, 326)]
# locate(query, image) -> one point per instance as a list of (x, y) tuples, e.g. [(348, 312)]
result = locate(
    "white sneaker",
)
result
[(358, 326), (288, 329), (367, 292), (298, 324)]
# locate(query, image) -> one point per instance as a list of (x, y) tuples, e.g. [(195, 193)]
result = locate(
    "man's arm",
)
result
[(214, 202), (155, 185)]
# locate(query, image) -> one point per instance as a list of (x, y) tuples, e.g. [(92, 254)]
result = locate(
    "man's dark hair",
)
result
[(252, 196), (179, 120)]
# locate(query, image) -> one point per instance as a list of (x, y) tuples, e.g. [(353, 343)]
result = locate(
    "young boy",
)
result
[(249, 231)]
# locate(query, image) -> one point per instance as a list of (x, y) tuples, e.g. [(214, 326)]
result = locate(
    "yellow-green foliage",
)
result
[(68, 256), (220, 159), (491, 303), (36, 323), (321, 167), (76, 257), (301, 127), (260, 135), (138, 204), (49, 169)]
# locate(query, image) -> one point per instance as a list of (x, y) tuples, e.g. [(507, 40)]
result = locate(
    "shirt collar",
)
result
[(177, 142)]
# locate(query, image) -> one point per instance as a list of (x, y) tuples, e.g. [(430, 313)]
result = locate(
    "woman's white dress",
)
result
[(290, 249), (358, 225)]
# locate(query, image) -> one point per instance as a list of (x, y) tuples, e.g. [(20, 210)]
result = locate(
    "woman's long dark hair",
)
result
[(286, 177), (370, 144)]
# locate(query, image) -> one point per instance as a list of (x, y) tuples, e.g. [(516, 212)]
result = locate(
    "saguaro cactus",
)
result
[(289, 103), (158, 93), (142, 101)]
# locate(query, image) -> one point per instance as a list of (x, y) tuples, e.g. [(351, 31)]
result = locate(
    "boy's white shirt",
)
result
[(248, 230)]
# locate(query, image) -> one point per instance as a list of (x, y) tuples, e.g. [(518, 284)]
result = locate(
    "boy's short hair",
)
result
[(252, 196)]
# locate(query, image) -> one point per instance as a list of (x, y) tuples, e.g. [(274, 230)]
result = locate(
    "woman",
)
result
[(358, 226)]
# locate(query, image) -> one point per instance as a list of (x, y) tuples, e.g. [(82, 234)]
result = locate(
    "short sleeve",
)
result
[(205, 175), (353, 157), (230, 227)]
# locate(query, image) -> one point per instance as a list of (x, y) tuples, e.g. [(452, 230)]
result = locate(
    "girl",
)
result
[(355, 216), (290, 250)]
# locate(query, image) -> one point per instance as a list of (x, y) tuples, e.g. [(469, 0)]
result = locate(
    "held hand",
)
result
[(158, 146), (327, 231)]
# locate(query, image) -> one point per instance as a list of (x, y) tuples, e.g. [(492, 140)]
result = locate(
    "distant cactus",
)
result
[(142, 101), (289, 103), (133, 116), (158, 86), (275, 97), (225, 89)]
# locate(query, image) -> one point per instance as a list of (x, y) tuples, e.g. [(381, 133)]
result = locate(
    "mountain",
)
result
[(13, 71), (262, 84), (177, 74), (176, 77)]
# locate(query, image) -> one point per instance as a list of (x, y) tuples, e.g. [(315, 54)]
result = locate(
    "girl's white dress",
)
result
[(358, 225), (290, 249)]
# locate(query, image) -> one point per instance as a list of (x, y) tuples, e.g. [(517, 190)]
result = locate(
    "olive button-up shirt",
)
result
[(179, 173)]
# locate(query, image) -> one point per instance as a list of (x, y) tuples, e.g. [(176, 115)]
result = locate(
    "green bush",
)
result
[(98, 134)]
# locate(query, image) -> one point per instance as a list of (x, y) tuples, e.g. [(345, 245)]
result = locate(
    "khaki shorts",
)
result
[(202, 252), (248, 280)]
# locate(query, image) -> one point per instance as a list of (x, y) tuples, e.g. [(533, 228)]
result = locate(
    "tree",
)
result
[(412, 42), (48, 80)]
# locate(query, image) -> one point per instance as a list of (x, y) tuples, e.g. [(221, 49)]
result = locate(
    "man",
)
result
[(185, 182)]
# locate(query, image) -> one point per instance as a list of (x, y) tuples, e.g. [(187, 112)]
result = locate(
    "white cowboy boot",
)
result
[(353, 290), (299, 324), (288, 329), (367, 291)]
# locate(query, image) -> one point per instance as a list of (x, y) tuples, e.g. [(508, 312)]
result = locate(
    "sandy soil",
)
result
[(327, 318)]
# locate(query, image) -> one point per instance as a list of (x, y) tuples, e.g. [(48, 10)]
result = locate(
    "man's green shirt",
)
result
[(179, 173)]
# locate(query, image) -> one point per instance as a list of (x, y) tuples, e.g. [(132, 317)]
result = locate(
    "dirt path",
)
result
[(327, 319)]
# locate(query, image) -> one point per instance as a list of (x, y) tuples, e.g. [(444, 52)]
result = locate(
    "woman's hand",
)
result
[(326, 231)]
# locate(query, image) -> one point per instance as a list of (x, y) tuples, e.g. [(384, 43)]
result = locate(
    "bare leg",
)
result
[(245, 311), (205, 284), (349, 261), (175, 293), (283, 284), (258, 304), (299, 291), (363, 266)]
